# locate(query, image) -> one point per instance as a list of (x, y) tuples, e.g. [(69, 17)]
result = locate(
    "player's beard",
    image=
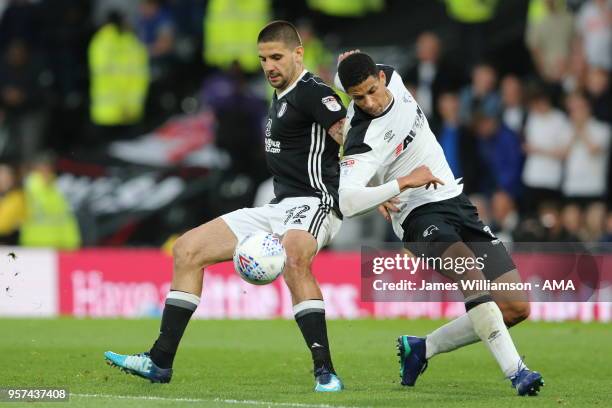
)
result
[(278, 85), (284, 83)]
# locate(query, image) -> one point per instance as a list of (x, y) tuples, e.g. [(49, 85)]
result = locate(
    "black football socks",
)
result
[(310, 317), (177, 311)]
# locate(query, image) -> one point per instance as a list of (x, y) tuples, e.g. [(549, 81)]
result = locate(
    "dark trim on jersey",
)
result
[(354, 143), (355, 139)]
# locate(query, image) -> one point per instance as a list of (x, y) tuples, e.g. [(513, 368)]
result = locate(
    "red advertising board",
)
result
[(134, 283)]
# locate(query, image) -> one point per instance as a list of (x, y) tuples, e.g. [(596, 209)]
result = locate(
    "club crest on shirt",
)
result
[(331, 103), (282, 109), (429, 230)]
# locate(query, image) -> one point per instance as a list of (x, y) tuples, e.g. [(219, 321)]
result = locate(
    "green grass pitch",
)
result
[(265, 363)]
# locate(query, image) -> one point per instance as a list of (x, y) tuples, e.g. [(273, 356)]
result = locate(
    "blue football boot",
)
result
[(140, 365), (527, 382), (326, 381), (411, 351)]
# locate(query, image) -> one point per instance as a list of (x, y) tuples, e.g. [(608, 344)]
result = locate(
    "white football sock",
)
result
[(489, 324), (453, 335)]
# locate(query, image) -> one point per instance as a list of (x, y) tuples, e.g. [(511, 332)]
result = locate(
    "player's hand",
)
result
[(346, 54), (421, 176), (388, 207)]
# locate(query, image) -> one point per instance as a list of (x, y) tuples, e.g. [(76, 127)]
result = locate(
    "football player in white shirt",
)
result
[(393, 160)]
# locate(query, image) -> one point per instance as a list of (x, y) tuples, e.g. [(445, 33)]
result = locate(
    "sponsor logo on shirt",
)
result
[(402, 146), (272, 146), (331, 103)]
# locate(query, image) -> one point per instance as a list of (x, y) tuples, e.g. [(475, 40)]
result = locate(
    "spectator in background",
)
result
[(505, 216), (460, 148), (22, 19), (575, 76), (514, 114), (100, 9), (230, 30), (21, 99), (594, 26), (317, 58), (549, 40), (481, 94), (430, 75), (119, 80), (587, 157), (12, 204), (500, 151), (156, 30), (572, 221), (607, 234), (240, 117), (599, 94), (560, 225), (594, 222), (346, 8), (49, 221), (472, 18), (547, 136)]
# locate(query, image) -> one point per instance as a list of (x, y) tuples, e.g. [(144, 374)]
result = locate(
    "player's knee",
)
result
[(515, 312), (297, 263), (186, 254), (297, 268)]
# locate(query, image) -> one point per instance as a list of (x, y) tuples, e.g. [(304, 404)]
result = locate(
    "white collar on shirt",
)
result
[(290, 87)]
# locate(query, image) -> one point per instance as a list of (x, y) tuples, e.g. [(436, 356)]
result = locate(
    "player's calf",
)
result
[(308, 306)]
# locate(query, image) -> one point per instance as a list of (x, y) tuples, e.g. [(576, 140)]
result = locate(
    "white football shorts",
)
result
[(297, 213)]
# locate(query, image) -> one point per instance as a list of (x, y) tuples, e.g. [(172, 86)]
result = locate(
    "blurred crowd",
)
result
[(531, 145), (533, 150)]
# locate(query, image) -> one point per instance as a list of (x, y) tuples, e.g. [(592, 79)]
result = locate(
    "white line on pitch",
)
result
[(217, 400)]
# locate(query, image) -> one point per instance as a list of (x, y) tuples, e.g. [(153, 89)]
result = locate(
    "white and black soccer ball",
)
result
[(260, 258)]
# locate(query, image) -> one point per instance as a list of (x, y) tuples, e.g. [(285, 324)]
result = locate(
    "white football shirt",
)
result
[(378, 150)]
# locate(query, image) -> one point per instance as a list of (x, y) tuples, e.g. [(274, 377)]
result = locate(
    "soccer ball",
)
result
[(260, 258)]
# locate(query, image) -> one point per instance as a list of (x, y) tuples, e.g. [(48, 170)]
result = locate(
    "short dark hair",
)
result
[(355, 69), (282, 31)]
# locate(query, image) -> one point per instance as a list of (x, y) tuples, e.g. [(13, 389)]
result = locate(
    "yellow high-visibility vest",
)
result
[(346, 8), (119, 76), (471, 11), (537, 10), (49, 221), (230, 32)]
